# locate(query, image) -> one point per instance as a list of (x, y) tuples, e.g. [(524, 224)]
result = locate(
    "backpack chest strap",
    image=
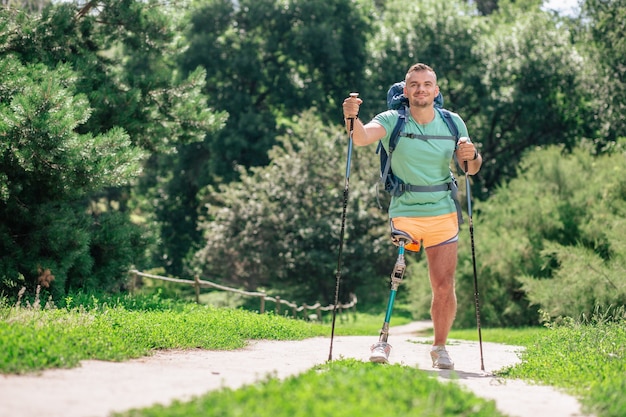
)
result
[(426, 137)]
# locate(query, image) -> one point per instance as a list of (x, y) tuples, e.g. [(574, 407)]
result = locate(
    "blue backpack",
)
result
[(396, 100)]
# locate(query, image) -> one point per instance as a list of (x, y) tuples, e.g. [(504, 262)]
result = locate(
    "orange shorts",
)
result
[(428, 231)]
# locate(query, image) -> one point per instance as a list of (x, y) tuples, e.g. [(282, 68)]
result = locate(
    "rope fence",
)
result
[(198, 283)]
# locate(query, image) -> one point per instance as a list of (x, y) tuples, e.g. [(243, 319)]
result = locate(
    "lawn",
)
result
[(588, 360)]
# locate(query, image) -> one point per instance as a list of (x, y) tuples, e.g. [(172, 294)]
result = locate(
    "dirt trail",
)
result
[(98, 388)]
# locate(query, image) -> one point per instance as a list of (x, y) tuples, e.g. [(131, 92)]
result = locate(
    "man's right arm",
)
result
[(362, 135), (367, 134)]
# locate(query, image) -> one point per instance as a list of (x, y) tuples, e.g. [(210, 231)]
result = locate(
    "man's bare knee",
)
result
[(442, 288)]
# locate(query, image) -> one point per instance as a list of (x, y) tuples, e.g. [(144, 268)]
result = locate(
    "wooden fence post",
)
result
[(277, 305), (263, 304), (197, 288), (133, 283)]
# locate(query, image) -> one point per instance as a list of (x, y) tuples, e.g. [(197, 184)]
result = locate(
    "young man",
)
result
[(429, 218)]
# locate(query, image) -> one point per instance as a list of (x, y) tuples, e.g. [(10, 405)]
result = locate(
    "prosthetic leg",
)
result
[(380, 351)]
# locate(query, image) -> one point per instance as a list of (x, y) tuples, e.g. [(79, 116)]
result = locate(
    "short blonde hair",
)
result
[(420, 67)]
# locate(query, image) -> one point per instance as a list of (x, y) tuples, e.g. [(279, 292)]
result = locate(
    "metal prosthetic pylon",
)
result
[(380, 351)]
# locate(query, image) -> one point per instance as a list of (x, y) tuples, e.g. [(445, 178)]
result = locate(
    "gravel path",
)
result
[(98, 388)]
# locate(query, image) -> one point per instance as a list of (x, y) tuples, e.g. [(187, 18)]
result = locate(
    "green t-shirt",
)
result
[(422, 161)]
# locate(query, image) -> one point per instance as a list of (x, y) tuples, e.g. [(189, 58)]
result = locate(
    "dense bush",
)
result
[(553, 238), (279, 226)]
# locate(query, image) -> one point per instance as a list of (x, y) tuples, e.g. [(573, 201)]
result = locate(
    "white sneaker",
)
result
[(440, 358), (380, 352)]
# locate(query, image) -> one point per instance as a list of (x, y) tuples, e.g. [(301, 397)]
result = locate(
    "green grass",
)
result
[(345, 388), (124, 327), (34, 340), (588, 360), (361, 324), (522, 336)]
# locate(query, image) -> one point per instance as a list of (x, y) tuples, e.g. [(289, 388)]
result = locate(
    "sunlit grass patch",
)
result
[(518, 336), (57, 338), (88, 326), (344, 387), (588, 360), (361, 324)]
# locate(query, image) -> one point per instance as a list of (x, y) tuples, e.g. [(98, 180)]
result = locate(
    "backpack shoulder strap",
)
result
[(447, 117), (395, 133), (393, 142), (454, 129)]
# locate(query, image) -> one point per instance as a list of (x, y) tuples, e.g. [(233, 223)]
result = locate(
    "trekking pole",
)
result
[(476, 302), (342, 233)]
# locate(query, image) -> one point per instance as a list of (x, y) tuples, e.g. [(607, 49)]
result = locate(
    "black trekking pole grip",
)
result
[(476, 296), (342, 232)]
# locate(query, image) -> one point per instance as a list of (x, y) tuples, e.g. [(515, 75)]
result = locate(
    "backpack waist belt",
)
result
[(448, 186), (425, 188)]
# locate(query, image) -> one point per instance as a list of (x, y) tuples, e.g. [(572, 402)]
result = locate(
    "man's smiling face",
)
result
[(421, 88)]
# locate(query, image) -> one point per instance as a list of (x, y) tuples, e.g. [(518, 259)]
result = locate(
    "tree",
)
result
[(30, 6), (515, 76), (46, 170), (487, 7), (122, 57), (439, 34), (267, 61), (583, 262), (605, 33), (442, 35), (535, 88)]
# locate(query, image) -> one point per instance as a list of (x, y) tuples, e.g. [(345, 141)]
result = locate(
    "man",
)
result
[(429, 218)]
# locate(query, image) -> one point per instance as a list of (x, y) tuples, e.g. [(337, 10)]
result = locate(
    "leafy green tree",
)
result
[(267, 61), (584, 262), (515, 76), (605, 39), (436, 33), (486, 7), (46, 170), (123, 60), (123, 53), (279, 226), (31, 6), (175, 182), (535, 81)]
